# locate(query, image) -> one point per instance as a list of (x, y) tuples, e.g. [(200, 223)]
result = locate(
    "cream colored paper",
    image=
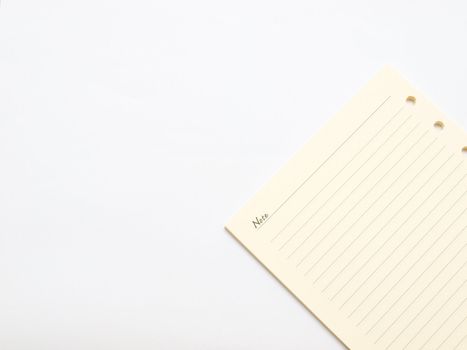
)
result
[(366, 225)]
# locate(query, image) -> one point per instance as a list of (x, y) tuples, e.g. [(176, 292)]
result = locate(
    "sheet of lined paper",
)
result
[(367, 224)]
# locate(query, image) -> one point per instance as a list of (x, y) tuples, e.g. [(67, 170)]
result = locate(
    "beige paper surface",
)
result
[(366, 225)]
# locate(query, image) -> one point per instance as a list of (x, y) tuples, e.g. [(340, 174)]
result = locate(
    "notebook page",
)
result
[(366, 225)]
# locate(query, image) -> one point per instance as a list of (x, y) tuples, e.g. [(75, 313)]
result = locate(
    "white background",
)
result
[(130, 131)]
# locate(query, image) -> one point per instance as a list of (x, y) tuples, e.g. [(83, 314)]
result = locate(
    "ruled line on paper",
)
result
[(443, 323), (410, 268), (337, 174), (424, 307), (345, 182), (359, 201), (457, 347), (431, 317), (452, 332), (331, 246), (392, 235), (387, 222), (325, 161), (418, 277), (382, 211), (403, 241), (400, 261)]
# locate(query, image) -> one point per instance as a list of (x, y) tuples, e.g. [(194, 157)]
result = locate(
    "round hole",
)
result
[(464, 150), (411, 100), (439, 125)]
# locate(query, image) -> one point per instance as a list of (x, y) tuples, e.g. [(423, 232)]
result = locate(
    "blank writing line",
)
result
[(415, 281), (339, 188), (390, 237), (460, 343), (342, 185), (408, 253), (367, 210), (325, 161), (384, 209), (358, 202), (433, 316), (386, 224), (336, 175), (452, 332), (444, 322), (401, 243), (410, 269), (419, 276), (424, 306)]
